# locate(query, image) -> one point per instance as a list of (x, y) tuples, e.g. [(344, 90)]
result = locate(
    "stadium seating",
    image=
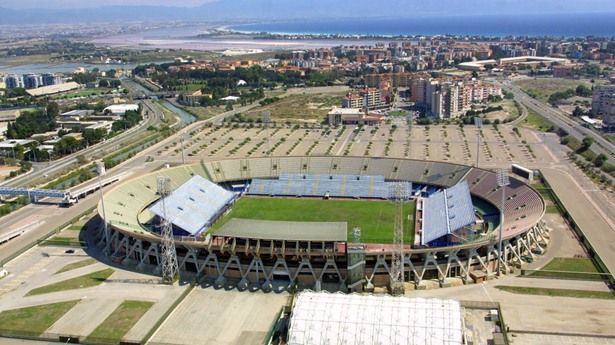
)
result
[(343, 186)]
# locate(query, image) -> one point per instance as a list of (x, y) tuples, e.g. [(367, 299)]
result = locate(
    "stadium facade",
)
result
[(260, 254)]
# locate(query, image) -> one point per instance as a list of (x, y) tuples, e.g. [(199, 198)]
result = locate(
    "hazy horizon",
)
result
[(433, 7)]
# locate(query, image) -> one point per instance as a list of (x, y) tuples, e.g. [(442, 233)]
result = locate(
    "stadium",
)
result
[(325, 222)]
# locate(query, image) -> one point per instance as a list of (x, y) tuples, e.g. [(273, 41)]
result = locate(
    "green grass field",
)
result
[(84, 281), (299, 108), (569, 268), (375, 218), (535, 121), (75, 265), (32, 321), (119, 322), (557, 292), (542, 88)]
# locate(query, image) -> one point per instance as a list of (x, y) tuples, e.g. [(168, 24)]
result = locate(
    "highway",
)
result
[(562, 120), (39, 219), (152, 116)]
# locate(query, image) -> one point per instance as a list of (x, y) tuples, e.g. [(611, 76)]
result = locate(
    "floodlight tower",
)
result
[(478, 122), (503, 181), (170, 270), (398, 193), (100, 171)]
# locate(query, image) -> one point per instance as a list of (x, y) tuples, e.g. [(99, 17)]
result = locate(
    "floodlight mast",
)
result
[(398, 193), (170, 270), (100, 171), (502, 181)]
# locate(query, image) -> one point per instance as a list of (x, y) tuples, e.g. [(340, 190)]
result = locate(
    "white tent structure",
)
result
[(337, 318)]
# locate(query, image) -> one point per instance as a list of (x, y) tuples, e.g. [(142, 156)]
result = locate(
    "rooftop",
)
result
[(291, 231), (326, 318)]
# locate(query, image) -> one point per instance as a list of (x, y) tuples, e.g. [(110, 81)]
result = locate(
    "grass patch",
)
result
[(75, 265), (543, 88), (375, 218), (204, 113), (568, 268), (84, 281), (299, 108), (63, 242), (552, 209), (534, 120), (32, 321), (398, 113), (119, 322), (557, 292), (76, 227)]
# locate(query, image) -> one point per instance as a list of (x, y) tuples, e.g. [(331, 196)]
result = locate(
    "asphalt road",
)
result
[(40, 219), (152, 116), (562, 120)]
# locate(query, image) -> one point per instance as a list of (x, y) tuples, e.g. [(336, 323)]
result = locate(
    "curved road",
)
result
[(563, 121), (152, 116)]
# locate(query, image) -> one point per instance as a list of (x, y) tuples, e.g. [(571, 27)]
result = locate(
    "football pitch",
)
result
[(375, 217)]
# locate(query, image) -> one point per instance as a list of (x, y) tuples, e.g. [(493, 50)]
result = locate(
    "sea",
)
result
[(558, 25)]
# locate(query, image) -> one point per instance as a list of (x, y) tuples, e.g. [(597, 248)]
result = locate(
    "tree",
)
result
[(600, 159), (53, 110), (587, 143), (577, 111), (474, 74), (103, 83), (583, 91)]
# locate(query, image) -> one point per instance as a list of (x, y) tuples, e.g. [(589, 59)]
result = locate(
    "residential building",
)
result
[(370, 98), (354, 116), (13, 81), (603, 104), (32, 81)]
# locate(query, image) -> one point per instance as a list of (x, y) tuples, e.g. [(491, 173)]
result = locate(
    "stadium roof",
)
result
[(447, 211), (195, 204), (325, 318), (53, 89), (291, 231)]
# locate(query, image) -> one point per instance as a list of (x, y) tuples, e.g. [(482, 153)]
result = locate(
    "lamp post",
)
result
[(266, 119), (181, 141), (478, 122), (502, 181)]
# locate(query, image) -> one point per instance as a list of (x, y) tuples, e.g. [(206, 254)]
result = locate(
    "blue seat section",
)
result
[(447, 211), (343, 186)]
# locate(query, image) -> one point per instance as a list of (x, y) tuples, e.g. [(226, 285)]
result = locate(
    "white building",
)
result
[(120, 109), (337, 318)]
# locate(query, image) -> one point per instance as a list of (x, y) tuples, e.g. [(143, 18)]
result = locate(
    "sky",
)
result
[(28, 4), (521, 5)]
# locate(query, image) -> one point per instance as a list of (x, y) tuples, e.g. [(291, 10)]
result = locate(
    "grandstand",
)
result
[(194, 205), (445, 212), (235, 250), (339, 186)]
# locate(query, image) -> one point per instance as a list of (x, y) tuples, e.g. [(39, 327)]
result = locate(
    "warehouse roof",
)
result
[(326, 318)]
